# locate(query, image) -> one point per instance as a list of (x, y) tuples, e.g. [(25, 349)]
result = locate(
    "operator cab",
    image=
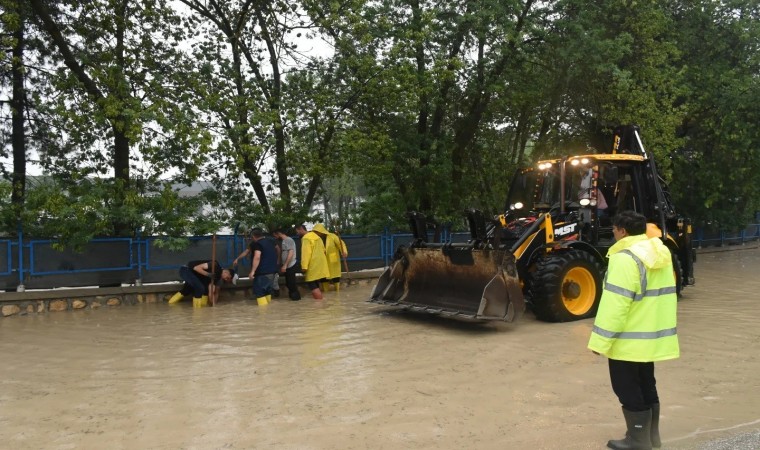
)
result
[(596, 187)]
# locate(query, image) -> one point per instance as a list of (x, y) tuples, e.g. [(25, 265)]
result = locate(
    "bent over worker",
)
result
[(636, 325), (197, 276)]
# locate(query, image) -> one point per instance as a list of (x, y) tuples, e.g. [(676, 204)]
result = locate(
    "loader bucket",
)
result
[(453, 280)]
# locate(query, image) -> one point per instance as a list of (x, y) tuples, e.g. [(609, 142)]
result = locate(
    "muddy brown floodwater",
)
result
[(346, 374)]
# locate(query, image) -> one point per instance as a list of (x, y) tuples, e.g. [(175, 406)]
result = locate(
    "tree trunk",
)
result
[(275, 102), (118, 122), (18, 138)]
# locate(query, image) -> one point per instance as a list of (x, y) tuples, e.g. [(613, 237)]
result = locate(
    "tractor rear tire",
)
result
[(566, 286)]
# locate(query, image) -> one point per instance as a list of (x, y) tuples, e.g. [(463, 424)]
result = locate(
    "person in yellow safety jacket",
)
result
[(313, 259), (636, 325), (335, 249)]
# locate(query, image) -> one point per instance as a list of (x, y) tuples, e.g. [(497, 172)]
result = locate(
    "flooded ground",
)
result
[(346, 374)]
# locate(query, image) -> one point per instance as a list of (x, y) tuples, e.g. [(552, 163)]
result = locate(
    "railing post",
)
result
[(138, 281), (390, 242), (234, 242), (20, 287), (384, 246)]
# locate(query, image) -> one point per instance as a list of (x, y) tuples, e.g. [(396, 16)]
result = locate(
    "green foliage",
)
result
[(7, 214), (717, 169), (75, 212), (425, 106)]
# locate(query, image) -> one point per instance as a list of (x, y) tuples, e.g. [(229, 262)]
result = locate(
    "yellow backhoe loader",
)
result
[(548, 250)]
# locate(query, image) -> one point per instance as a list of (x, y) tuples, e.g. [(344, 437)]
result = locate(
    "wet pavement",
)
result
[(346, 374)]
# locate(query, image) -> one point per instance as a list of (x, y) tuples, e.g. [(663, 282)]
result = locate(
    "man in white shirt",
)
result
[(288, 265)]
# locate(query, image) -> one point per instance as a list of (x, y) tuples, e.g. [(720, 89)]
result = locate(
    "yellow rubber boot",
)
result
[(324, 286), (262, 300), (197, 302), (204, 300), (337, 286), (269, 298), (176, 298)]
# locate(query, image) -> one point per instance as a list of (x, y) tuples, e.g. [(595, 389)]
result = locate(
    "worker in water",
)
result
[(636, 325), (263, 265), (335, 249), (202, 278), (313, 258), (288, 262)]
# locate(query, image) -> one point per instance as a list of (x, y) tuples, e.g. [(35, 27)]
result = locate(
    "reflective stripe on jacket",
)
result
[(636, 320)]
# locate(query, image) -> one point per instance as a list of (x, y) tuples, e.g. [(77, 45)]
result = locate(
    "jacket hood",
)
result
[(319, 228), (652, 252)]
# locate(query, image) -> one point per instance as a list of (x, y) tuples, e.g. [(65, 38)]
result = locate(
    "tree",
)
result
[(245, 49), (719, 165), (14, 21), (441, 65), (117, 56)]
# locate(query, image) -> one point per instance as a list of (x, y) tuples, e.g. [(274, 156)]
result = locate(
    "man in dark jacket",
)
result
[(202, 279), (263, 265)]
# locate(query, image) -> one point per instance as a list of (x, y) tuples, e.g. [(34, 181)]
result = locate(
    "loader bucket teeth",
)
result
[(462, 281)]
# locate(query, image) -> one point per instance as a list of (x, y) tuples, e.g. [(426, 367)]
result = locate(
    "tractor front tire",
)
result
[(566, 286)]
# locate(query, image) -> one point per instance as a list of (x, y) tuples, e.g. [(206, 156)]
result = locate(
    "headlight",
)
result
[(585, 202), (517, 205)]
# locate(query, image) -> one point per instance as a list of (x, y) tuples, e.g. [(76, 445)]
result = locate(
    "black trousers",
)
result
[(192, 284), (634, 384), (290, 282)]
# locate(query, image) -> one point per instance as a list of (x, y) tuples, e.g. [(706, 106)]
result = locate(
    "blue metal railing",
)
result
[(37, 243), (703, 238), (137, 257), (8, 257)]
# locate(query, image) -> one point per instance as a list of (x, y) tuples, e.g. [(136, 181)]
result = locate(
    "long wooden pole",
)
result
[(213, 269)]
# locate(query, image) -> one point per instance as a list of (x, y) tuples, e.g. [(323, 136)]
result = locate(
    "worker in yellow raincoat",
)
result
[(313, 258), (335, 249)]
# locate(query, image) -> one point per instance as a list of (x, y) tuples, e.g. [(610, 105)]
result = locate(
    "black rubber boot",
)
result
[(655, 435), (637, 437)]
